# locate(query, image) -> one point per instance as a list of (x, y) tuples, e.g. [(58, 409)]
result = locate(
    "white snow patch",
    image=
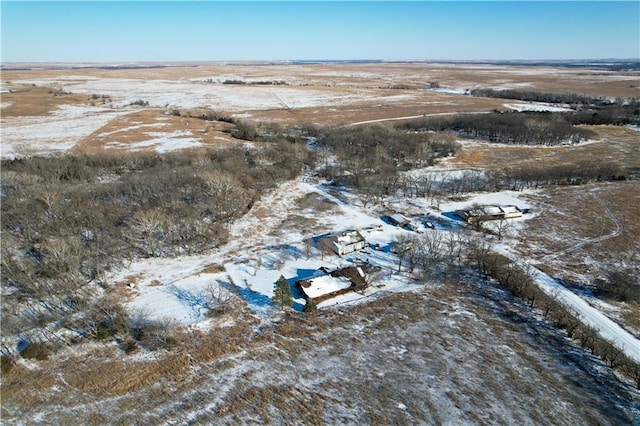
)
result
[(537, 107), (450, 90), (162, 142), (127, 129), (503, 198), (77, 111), (59, 132)]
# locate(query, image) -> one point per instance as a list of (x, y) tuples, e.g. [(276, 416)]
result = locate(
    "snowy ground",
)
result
[(537, 107), (261, 250), (59, 132), (226, 97)]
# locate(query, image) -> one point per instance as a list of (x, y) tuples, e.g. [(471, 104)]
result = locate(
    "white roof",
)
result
[(349, 238), (510, 209), (492, 209), (326, 284)]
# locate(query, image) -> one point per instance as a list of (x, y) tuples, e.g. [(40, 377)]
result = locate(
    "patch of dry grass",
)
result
[(28, 101), (122, 133), (441, 353), (571, 215), (613, 144)]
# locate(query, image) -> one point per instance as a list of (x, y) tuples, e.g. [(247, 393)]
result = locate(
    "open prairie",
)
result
[(149, 213), (89, 109)]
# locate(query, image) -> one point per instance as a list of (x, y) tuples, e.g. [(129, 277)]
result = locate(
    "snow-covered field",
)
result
[(226, 97), (59, 132), (161, 141)]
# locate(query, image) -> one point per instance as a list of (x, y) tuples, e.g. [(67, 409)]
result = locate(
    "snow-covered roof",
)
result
[(491, 209), (398, 218), (325, 284), (510, 209), (347, 238)]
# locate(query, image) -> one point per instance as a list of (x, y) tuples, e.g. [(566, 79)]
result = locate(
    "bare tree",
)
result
[(402, 244), (218, 299), (503, 228), (324, 245)]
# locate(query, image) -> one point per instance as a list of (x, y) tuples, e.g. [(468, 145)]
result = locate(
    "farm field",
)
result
[(165, 202)]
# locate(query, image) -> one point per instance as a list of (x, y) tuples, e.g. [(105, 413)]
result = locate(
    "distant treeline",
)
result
[(616, 114), (588, 110), (507, 128), (553, 98)]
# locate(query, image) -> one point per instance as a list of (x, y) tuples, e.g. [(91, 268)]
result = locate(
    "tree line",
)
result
[(529, 96), (371, 158), (455, 255), (67, 219), (517, 128), (587, 110)]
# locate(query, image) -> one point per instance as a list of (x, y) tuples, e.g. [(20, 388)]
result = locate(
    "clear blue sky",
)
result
[(93, 31)]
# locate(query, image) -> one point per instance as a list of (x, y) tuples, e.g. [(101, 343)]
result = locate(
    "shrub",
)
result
[(36, 350), (6, 364)]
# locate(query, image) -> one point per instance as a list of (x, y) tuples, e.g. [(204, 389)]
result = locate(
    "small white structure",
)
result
[(347, 242), (511, 212)]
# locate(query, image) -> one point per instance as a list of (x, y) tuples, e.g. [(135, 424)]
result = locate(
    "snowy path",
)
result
[(591, 316), (586, 313), (410, 117)]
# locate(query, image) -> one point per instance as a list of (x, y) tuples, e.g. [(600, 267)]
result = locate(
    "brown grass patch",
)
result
[(572, 214), (124, 132), (569, 216), (316, 203), (214, 268), (38, 101), (614, 144)]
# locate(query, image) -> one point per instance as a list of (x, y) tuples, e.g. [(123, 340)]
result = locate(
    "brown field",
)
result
[(583, 231), (38, 101), (614, 144), (312, 94), (124, 132), (445, 353)]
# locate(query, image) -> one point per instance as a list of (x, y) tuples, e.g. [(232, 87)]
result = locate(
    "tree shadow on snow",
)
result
[(195, 301), (250, 296)]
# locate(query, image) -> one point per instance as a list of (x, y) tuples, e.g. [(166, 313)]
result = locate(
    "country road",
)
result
[(591, 316)]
